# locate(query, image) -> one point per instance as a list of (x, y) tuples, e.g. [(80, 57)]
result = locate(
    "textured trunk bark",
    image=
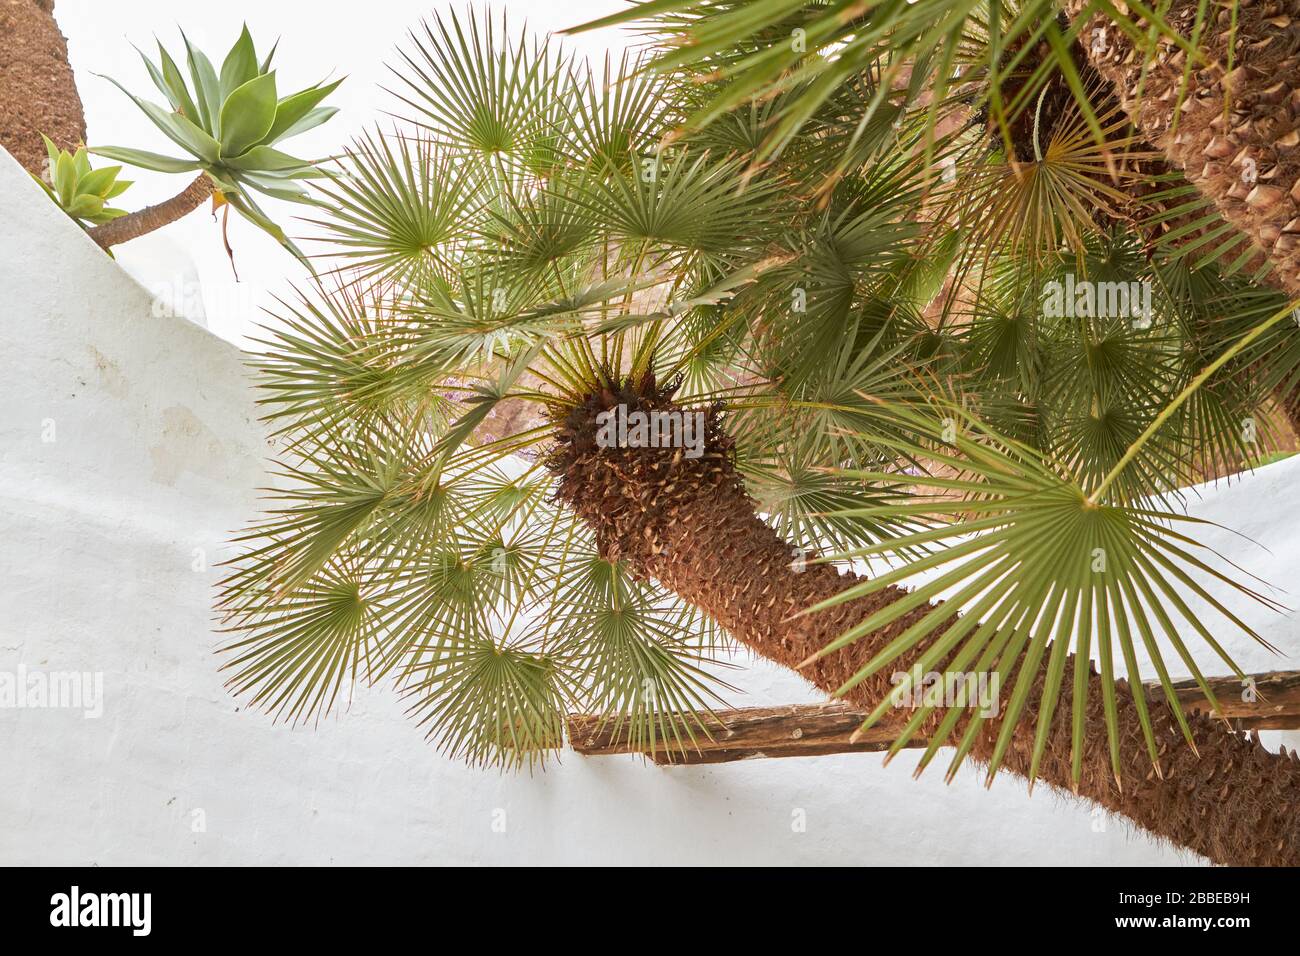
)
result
[(37, 91), (1236, 135), (146, 220), (690, 524)]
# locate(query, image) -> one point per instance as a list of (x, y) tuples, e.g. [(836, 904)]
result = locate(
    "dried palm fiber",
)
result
[(37, 91)]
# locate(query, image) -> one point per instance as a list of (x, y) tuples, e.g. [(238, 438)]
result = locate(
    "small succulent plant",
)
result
[(83, 193), (227, 124)]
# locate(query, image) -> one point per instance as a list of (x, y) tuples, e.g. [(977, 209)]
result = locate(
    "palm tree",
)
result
[(814, 305)]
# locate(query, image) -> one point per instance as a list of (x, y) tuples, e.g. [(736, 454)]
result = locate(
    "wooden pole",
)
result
[(810, 730)]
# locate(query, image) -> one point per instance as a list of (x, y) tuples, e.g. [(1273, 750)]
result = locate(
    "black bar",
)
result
[(350, 905)]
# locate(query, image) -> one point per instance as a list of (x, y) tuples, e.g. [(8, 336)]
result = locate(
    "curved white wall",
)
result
[(155, 458)]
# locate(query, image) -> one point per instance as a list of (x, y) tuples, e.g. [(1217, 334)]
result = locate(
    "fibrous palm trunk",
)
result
[(1156, 205), (37, 91), (1234, 133), (690, 524)]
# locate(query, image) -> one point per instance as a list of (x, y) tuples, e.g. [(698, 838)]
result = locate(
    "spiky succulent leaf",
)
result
[(226, 123), (78, 190)]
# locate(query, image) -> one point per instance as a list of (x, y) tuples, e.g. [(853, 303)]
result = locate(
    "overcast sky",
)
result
[(318, 38)]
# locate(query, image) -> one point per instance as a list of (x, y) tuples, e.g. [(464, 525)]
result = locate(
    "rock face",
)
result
[(129, 453), (37, 91)]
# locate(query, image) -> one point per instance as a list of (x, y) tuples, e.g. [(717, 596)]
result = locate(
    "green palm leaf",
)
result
[(1030, 556)]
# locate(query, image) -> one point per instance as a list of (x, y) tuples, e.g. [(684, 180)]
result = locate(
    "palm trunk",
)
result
[(691, 525), (37, 91), (1237, 142), (146, 220), (1235, 135)]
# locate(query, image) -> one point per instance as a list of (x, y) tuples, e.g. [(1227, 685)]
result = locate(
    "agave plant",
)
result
[(859, 374), (82, 192), (228, 125)]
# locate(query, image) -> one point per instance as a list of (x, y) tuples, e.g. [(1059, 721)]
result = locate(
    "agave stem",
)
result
[(146, 220)]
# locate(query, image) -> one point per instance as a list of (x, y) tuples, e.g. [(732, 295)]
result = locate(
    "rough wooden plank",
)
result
[(791, 730), (808, 730), (1272, 704)]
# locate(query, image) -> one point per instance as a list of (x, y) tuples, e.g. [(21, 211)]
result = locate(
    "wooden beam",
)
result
[(792, 730), (1275, 703), (810, 730)]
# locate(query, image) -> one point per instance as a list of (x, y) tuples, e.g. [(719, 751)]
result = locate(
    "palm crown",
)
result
[(832, 243)]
